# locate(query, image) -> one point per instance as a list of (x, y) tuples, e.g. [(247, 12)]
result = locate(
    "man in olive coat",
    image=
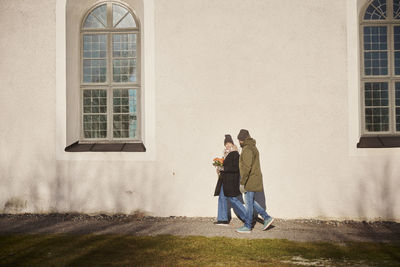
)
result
[(251, 181)]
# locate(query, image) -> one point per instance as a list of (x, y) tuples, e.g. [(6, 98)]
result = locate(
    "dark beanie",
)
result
[(243, 134), (228, 139)]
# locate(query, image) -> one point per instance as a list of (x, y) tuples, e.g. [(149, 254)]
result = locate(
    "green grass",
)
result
[(95, 250)]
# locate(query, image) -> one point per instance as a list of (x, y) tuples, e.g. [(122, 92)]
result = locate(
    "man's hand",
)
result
[(242, 190)]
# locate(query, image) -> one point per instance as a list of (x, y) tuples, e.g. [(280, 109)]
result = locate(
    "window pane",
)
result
[(118, 13), (124, 53), (122, 18), (396, 9), (97, 18), (376, 97), (397, 104), (124, 45), (94, 58), (127, 22), (101, 13), (95, 113), (375, 50), (125, 113), (396, 40), (376, 10)]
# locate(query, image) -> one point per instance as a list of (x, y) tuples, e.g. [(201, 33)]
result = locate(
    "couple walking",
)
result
[(240, 174)]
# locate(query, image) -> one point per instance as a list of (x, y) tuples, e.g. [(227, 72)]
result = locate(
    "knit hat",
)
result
[(243, 134), (228, 139)]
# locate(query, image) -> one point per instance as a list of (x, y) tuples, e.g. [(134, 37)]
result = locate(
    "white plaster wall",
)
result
[(27, 97), (278, 68)]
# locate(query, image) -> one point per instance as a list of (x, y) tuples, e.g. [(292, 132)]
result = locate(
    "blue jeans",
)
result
[(252, 205), (224, 209)]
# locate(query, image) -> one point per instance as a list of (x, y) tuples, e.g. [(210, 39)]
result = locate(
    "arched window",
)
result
[(380, 68), (110, 74)]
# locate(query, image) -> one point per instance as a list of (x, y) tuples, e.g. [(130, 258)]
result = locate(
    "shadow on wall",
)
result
[(376, 193), (385, 188), (48, 186), (22, 177), (44, 185), (15, 205), (106, 187)]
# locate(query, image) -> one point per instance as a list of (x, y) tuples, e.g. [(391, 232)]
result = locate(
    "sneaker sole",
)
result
[(222, 224), (243, 232), (266, 227)]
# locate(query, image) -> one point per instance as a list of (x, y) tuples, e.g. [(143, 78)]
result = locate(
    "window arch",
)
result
[(110, 74)]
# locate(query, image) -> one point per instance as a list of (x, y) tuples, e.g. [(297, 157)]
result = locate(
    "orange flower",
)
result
[(221, 160), (218, 162)]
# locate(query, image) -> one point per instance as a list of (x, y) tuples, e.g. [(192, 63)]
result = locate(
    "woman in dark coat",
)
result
[(228, 185)]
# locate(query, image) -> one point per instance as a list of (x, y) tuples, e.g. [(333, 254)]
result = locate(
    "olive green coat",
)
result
[(249, 166)]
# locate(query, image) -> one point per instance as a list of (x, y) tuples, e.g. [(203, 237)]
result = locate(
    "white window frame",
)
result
[(390, 78), (109, 85), (148, 95)]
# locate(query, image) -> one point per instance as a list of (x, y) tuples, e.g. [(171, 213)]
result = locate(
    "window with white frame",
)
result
[(380, 68), (110, 74)]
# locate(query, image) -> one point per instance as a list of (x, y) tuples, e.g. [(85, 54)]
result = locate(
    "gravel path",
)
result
[(296, 230)]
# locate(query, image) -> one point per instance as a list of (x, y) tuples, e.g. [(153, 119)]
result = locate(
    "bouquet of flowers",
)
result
[(218, 162)]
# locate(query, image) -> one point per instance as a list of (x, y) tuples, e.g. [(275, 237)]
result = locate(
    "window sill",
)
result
[(106, 147), (379, 142)]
